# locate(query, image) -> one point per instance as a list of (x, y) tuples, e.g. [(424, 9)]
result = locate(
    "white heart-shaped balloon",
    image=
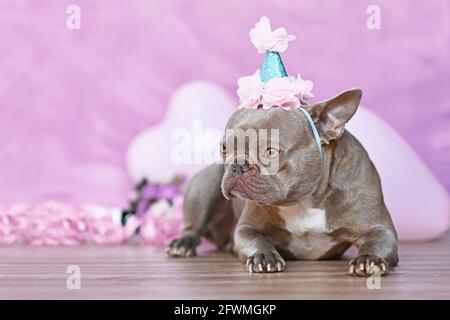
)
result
[(419, 204), (195, 120), (187, 139)]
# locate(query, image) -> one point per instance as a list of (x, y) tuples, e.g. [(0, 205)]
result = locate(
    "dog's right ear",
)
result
[(330, 116)]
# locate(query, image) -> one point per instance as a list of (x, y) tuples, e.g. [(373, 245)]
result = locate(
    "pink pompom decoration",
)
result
[(103, 226), (10, 225), (52, 223), (59, 224)]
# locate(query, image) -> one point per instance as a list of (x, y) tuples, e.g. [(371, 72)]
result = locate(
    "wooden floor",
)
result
[(133, 272)]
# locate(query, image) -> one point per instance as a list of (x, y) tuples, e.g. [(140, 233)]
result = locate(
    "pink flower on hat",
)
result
[(264, 39), (286, 93), (304, 89), (281, 92), (250, 91)]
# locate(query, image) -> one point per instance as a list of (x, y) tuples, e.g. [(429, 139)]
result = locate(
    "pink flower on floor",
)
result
[(52, 223), (159, 225), (103, 225), (59, 224), (10, 226)]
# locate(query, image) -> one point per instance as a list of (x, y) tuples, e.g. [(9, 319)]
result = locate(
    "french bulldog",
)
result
[(314, 207)]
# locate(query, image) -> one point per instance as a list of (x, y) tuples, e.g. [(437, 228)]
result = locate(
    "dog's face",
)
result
[(271, 156)]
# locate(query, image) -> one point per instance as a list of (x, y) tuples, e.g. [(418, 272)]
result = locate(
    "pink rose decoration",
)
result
[(264, 39), (250, 91), (304, 89), (285, 93), (282, 93)]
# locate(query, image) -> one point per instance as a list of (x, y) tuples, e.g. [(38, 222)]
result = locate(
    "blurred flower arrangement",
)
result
[(153, 217), (155, 212)]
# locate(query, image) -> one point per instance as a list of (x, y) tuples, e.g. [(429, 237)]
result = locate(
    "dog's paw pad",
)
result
[(263, 262), (183, 247), (367, 265)]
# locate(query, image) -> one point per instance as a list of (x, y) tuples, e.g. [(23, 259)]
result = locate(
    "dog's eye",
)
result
[(271, 153)]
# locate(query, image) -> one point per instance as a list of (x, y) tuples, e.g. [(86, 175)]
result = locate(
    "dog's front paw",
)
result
[(366, 265), (183, 247), (265, 262)]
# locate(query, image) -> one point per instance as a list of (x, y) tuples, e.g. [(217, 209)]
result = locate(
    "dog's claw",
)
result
[(183, 247), (351, 269), (263, 262), (366, 265)]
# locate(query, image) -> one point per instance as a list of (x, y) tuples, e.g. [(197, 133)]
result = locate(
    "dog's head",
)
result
[(271, 156)]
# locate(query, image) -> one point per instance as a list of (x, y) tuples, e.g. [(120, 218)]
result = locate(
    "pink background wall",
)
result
[(71, 100)]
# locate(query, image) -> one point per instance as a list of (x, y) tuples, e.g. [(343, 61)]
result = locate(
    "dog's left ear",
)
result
[(330, 116)]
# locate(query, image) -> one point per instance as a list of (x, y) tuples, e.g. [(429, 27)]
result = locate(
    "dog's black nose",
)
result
[(238, 169)]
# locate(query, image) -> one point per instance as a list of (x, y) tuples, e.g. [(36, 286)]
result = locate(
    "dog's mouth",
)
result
[(237, 187), (251, 187)]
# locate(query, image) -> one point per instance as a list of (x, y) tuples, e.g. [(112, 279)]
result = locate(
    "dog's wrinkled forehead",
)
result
[(292, 124)]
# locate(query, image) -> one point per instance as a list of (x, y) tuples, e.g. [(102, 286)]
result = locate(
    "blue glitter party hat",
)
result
[(271, 86), (273, 67), (271, 43)]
